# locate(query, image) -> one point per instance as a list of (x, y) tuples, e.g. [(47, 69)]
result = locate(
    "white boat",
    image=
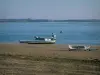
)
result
[(78, 47), (39, 40), (45, 41)]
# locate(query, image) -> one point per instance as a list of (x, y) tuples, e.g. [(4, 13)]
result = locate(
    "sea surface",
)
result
[(73, 32)]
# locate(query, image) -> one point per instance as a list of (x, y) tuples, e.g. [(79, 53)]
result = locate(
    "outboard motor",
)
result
[(53, 37)]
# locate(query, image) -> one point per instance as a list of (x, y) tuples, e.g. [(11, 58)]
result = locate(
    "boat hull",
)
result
[(37, 42)]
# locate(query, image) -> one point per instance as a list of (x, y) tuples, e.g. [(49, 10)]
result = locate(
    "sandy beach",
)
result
[(48, 50), (47, 59)]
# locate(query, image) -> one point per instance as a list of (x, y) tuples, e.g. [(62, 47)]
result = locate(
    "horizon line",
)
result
[(50, 19)]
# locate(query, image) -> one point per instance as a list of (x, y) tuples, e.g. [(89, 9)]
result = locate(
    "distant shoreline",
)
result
[(48, 20)]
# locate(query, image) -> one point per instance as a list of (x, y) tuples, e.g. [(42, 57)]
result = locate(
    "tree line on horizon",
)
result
[(49, 20)]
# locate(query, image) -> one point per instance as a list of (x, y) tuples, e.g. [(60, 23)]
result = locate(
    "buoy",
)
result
[(61, 31)]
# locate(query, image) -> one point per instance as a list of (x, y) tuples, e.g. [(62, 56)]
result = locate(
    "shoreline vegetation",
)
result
[(49, 20)]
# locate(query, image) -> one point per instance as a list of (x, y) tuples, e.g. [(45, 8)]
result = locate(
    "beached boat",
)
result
[(39, 40), (45, 41), (78, 47)]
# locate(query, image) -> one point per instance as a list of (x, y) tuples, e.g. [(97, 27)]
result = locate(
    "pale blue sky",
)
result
[(50, 9)]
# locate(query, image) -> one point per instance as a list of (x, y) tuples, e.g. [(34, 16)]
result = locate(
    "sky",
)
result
[(50, 9)]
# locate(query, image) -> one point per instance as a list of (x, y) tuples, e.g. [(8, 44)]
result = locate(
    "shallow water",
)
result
[(73, 32)]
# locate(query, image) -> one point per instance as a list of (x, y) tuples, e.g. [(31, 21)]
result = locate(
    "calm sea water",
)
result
[(73, 32)]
